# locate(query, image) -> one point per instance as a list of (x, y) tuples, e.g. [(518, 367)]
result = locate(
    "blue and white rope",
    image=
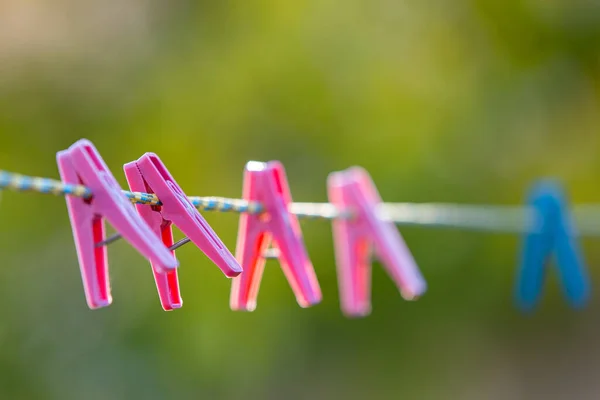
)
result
[(505, 219), (22, 183)]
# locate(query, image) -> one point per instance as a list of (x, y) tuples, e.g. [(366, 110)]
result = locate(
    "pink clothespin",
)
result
[(355, 237), (148, 174), (267, 184), (82, 164)]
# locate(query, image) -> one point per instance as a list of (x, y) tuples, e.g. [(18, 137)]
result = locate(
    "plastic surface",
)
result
[(554, 234), (267, 183), (82, 164), (355, 238), (148, 174)]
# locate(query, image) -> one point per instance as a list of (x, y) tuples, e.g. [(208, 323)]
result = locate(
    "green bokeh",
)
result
[(441, 101)]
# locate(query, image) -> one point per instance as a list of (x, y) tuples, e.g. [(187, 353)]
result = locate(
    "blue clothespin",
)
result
[(553, 233)]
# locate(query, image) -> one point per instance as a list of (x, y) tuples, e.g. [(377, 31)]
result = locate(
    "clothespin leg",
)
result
[(571, 265), (244, 287), (167, 283)]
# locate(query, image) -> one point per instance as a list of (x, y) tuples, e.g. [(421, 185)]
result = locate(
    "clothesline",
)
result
[(492, 218)]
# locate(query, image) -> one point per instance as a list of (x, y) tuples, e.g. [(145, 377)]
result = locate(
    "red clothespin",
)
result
[(267, 184), (149, 174), (355, 237), (81, 164)]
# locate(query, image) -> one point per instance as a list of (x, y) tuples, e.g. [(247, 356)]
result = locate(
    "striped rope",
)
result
[(504, 219), (22, 183)]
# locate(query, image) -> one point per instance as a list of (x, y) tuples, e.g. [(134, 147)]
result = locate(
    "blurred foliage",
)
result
[(463, 101)]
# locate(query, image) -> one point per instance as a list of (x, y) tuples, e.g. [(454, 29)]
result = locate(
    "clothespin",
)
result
[(355, 237), (149, 174), (82, 164), (553, 233), (267, 183)]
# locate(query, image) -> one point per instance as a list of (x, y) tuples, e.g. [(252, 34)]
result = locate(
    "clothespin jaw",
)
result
[(553, 233), (267, 183), (356, 237), (149, 174), (82, 164)]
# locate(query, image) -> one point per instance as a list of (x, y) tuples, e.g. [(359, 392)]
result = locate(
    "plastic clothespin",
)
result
[(356, 236), (82, 164), (267, 183), (553, 233), (149, 174)]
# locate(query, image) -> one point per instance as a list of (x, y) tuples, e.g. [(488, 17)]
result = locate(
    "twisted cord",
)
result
[(505, 219), (23, 183)]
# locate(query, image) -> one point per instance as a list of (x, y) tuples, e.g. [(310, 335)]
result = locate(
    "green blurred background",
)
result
[(445, 101)]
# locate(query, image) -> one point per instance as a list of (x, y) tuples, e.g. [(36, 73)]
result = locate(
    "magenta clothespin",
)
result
[(81, 164), (354, 238), (267, 184), (149, 174)]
